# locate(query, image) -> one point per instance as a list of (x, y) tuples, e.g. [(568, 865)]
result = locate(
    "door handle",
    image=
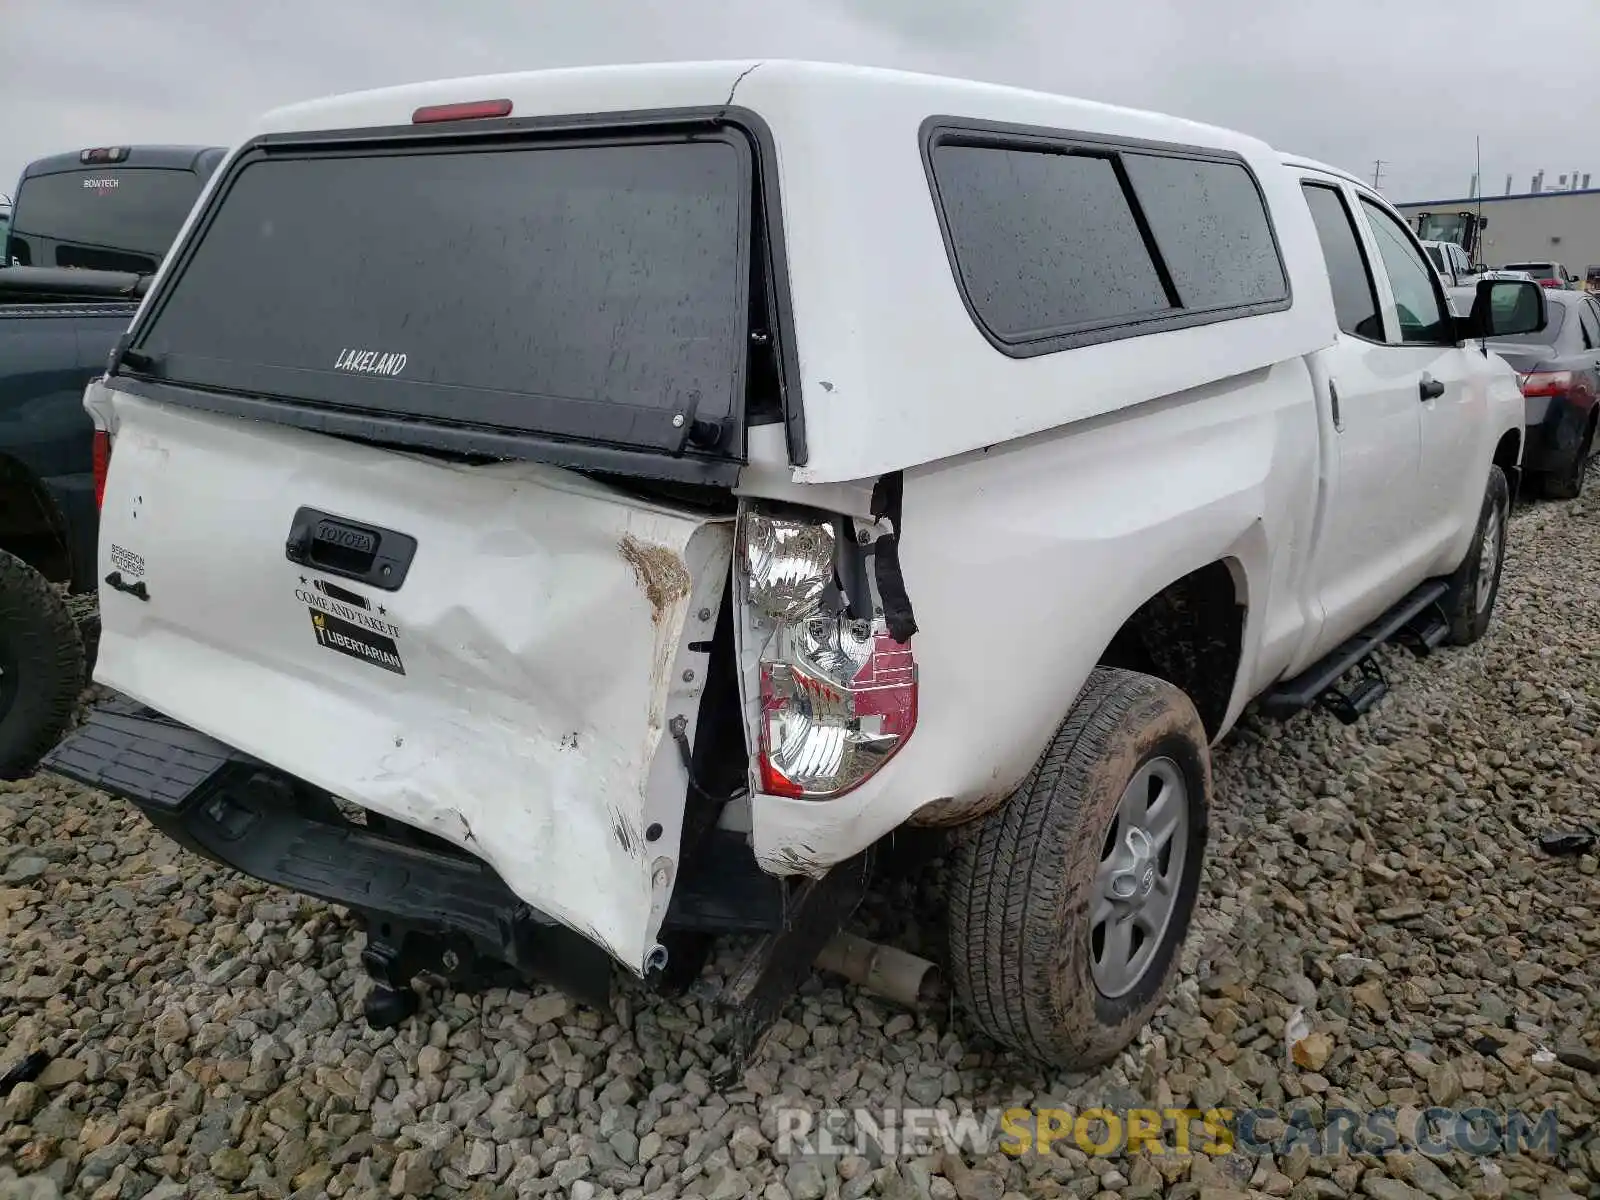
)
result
[(368, 553), (1430, 388)]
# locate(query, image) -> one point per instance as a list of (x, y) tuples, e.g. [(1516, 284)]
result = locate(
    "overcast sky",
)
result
[(1348, 82)]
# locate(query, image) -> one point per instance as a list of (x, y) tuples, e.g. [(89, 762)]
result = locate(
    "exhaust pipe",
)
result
[(884, 971)]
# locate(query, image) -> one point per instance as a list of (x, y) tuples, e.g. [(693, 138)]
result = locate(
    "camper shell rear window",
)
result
[(579, 287), (116, 218), (1060, 239)]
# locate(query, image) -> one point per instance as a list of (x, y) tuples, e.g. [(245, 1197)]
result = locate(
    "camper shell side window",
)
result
[(1059, 239)]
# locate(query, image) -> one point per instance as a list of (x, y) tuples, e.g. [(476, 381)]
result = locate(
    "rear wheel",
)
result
[(1469, 604), (1068, 904), (1568, 484), (41, 667)]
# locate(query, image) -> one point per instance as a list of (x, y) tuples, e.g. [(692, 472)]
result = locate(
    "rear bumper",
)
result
[(236, 810)]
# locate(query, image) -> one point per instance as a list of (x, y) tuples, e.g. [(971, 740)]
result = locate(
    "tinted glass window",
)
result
[(1537, 270), (1211, 229), (1422, 316), (592, 291), (1439, 227), (1046, 242), (1433, 253), (111, 219), (1355, 301)]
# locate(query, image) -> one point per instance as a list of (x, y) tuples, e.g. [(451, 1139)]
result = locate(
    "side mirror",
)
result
[(1507, 308)]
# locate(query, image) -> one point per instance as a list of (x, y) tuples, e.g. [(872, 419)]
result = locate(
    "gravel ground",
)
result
[(1382, 880)]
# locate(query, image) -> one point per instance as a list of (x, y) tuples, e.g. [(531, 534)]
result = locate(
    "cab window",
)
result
[(1421, 312)]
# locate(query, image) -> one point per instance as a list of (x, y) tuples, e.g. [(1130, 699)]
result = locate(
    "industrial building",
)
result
[(1560, 223)]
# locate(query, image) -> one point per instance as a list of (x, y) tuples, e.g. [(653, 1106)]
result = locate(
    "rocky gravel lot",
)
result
[(1382, 880)]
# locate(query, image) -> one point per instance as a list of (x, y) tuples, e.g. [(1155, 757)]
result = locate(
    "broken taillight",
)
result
[(838, 694), (102, 465)]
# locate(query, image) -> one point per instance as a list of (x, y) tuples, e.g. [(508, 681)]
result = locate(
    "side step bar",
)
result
[(1417, 622)]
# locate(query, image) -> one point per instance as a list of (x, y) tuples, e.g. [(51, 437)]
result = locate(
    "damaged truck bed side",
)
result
[(564, 517)]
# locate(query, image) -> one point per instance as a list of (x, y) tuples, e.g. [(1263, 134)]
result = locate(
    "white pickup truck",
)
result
[(1451, 261), (566, 516)]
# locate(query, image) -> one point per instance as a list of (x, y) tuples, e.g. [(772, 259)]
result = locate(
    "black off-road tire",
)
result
[(41, 657), (1023, 877), (1469, 620)]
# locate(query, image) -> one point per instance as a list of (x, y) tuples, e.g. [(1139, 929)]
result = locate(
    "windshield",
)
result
[(579, 291), (1537, 270), (110, 219), (1442, 227)]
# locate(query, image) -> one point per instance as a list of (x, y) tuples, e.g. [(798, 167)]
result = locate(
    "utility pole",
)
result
[(1476, 252), (1377, 171)]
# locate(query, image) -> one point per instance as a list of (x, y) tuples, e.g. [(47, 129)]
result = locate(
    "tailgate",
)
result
[(505, 685)]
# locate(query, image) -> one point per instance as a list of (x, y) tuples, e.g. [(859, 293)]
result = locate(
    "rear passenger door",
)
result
[(1588, 367), (1369, 551), (1451, 389)]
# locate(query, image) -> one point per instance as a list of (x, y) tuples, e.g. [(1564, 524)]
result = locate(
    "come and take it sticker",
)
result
[(343, 622)]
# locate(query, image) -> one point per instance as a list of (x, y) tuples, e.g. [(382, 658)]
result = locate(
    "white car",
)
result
[(563, 515), (1463, 296)]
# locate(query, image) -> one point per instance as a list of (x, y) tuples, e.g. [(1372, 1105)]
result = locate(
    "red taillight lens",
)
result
[(473, 110), (838, 696), (102, 465), (1555, 283), (1546, 383), (820, 738)]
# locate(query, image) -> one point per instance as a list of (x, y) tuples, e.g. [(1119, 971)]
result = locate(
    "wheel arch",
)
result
[(1190, 634), (1508, 457)]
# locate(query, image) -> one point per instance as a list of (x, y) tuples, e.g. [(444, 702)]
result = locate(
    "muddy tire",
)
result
[(1058, 949), (1469, 604), (41, 667)]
